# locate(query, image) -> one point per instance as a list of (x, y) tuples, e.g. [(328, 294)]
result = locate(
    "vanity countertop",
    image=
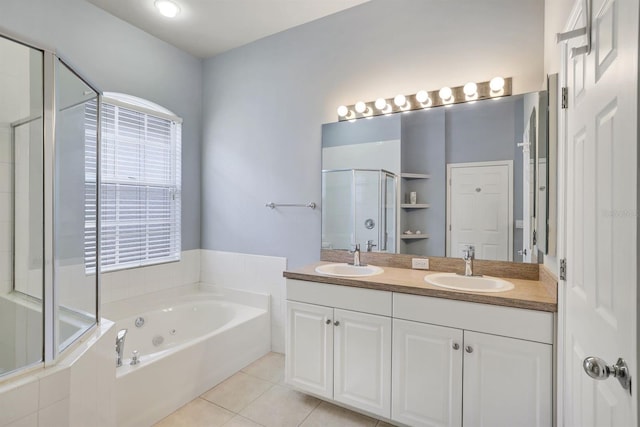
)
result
[(528, 294)]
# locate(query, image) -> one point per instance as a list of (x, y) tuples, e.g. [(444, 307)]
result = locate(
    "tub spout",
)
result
[(122, 333)]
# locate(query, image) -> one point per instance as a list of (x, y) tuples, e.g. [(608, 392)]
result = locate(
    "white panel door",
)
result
[(427, 374), (601, 213), (309, 348), (507, 382), (479, 210), (362, 361)]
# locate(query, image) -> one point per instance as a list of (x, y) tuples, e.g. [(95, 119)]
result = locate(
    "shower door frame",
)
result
[(51, 351)]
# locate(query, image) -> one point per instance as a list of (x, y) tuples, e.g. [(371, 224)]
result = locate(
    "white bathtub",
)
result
[(192, 339)]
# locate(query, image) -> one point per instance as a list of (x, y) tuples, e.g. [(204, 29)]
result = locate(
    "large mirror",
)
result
[(430, 182)]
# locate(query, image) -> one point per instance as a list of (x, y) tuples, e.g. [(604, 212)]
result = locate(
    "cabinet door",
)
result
[(362, 363), (507, 382), (309, 348), (427, 374)]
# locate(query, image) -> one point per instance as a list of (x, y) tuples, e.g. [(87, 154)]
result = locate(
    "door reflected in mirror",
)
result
[(434, 181)]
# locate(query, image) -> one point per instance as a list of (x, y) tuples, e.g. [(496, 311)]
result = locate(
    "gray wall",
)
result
[(117, 57), (264, 103)]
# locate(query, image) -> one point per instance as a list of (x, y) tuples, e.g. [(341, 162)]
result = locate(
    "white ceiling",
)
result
[(206, 28)]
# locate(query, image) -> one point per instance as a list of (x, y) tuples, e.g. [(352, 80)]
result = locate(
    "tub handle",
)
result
[(134, 358)]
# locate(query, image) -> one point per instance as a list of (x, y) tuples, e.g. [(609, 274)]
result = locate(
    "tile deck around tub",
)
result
[(257, 396)]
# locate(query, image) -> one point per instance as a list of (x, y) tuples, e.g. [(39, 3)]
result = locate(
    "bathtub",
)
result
[(188, 340)]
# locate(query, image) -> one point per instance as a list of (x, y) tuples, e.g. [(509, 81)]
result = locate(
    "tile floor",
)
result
[(257, 396)]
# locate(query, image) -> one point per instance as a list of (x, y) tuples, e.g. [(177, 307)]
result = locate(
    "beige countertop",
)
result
[(528, 294)]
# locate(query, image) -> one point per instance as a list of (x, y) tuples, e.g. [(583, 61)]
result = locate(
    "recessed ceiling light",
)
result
[(167, 8)]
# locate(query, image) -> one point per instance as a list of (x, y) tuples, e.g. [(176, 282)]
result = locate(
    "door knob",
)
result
[(598, 369), (456, 346)]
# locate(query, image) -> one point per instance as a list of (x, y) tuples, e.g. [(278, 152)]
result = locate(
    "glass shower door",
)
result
[(21, 206)]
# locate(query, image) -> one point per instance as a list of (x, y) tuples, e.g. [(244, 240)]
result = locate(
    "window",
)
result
[(140, 188)]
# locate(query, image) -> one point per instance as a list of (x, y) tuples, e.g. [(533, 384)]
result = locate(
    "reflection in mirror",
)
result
[(21, 206), (463, 174)]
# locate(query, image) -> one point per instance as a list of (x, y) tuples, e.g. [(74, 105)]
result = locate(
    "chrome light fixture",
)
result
[(470, 92)]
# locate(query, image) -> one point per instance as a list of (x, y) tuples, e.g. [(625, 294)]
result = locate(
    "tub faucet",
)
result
[(122, 333), (468, 254), (356, 255)]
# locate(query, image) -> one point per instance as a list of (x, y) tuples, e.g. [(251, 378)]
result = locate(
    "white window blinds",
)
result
[(140, 188)]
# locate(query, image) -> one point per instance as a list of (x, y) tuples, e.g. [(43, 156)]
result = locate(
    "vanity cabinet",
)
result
[(416, 359), (503, 373), (340, 354)]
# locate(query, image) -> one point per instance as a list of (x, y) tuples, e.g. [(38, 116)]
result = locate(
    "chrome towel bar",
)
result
[(272, 205)]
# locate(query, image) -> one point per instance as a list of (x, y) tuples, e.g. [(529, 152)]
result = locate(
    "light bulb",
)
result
[(361, 107), (400, 100), (167, 8), (470, 89), (445, 93), (422, 96), (343, 111), (496, 84), (381, 104)]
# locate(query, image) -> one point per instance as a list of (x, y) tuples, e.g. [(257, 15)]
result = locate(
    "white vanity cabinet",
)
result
[(416, 359), (339, 347), (503, 374)]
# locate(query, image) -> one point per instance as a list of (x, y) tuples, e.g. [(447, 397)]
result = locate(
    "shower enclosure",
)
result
[(359, 206), (48, 205)]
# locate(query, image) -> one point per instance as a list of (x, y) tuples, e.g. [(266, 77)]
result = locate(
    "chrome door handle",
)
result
[(598, 369)]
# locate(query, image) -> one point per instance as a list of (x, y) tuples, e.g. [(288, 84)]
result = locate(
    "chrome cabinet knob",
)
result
[(455, 346), (328, 321), (336, 323), (468, 349), (598, 369)]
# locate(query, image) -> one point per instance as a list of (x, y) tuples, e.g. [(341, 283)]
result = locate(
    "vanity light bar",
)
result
[(496, 88)]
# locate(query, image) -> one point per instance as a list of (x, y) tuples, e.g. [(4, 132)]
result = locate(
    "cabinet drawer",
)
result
[(345, 297), (508, 321)]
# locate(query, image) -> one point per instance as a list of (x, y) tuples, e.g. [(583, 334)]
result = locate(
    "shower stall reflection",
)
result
[(359, 207)]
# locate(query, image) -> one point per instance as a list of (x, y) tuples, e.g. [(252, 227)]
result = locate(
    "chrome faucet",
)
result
[(468, 254), (122, 333), (356, 255), (370, 245)]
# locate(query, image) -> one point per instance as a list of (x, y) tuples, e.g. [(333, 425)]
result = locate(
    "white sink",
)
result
[(348, 270), (468, 283)]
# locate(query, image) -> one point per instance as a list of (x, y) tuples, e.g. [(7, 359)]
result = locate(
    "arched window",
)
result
[(140, 161)]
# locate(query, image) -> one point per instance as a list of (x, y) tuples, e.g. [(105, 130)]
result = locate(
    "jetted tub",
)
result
[(188, 340)]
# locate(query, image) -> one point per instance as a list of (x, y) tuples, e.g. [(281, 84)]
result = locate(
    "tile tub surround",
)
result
[(254, 273), (78, 391), (256, 396), (528, 294)]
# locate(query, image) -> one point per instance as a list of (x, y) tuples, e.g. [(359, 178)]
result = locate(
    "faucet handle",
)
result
[(356, 248), (468, 252)]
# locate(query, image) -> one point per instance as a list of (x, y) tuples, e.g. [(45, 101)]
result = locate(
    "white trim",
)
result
[(509, 164), (139, 104)]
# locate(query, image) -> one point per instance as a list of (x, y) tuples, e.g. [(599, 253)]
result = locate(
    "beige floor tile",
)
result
[(197, 413), (328, 415), (270, 367), (239, 421), (280, 407), (237, 392)]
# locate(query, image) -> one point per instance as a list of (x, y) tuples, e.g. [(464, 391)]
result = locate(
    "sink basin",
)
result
[(348, 270), (468, 283)]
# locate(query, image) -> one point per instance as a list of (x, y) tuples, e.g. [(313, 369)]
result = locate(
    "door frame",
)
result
[(509, 164)]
